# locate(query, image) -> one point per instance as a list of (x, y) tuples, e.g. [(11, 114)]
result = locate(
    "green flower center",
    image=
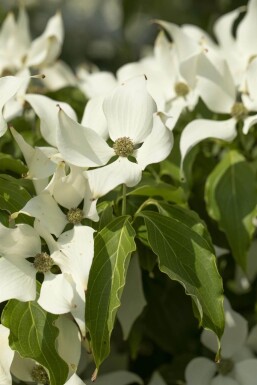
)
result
[(43, 262), (123, 146), (75, 216), (40, 375), (225, 366), (181, 89), (239, 111)]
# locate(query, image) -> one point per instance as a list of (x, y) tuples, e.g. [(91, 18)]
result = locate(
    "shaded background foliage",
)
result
[(110, 33)]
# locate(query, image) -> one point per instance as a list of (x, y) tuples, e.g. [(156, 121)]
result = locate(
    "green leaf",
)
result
[(231, 199), (4, 218), (160, 189), (188, 217), (33, 335), (113, 247), (186, 257), (8, 163), (105, 211), (13, 197), (147, 258)]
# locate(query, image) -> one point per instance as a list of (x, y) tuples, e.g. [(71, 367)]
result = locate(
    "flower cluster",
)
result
[(75, 164), (238, 362)]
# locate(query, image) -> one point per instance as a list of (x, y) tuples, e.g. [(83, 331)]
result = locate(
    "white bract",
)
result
[(68, 347), (63, 293), (47, 111), (18, 51), (165, 83), (238, 48), (44, 208), (135, 130), (72, 252), (6, 356), (16, 245), (238, 365), (9, 86)]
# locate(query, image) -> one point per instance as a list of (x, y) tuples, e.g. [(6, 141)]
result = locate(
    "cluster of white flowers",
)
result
[(238, 364), (127, 125)]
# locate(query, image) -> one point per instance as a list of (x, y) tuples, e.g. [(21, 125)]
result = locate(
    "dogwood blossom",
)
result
[(9, 85), (69, 253), (237, 366), (165, 83), (73, 253), (26, 369), (238, 48), (18, 51), (134, 130)]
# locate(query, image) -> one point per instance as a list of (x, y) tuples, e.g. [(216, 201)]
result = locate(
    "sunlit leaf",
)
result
[(33, 335), (13, 197), (231, 198), (185, 256), (113, 247)]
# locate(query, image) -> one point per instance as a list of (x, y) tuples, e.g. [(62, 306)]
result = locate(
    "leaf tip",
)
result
[(94, 375), (218, 354)]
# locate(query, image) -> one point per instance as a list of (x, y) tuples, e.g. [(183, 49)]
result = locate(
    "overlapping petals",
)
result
[(16, 245), (9, 86)]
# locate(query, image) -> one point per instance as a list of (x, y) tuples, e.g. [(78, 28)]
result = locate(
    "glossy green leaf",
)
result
[(4, 218), (187, 257), (8, 163), (105, 211), (161, 189), (188, 217), (231, 198), (113, 247), (33, 335), (13, 197)]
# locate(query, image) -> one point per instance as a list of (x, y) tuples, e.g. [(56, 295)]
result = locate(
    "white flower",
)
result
[(14, 41), (208, 71), (220, 98), (134, 130), (6, 356), (18, 51), (47, 111), (238, 49), (200, 129), (45, 49), (9, 87), (72, 252), (69, 187), (41, 161), (15, 246), (238, 365), (96, 84), (59, 75), (165, 83), (44, 208), (68, 347)]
